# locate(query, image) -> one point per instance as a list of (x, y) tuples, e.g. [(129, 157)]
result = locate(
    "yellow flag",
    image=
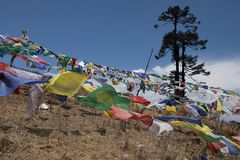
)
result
[(88, 88), (204, 130), (219, 106), (66, 84), (170, 109), (34, 47), (108, 114)]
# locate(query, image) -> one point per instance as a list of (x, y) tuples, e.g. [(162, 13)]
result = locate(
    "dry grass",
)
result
[(72, 131)]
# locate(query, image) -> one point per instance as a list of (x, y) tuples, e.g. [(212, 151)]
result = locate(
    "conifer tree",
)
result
[(175, 40), (189, 63)]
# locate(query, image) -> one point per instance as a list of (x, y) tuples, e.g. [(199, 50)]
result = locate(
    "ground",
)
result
[(72, 131)]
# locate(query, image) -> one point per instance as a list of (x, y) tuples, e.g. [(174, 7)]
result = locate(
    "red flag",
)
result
[(22, 56), (15, 40), (40, 60), (138, 99), (6, 68), (125, 115), (213, 147), (185, 108), (74, 62), (236, 138), (17, 91)]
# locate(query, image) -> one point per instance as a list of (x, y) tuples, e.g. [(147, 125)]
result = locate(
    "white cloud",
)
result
[(224, 73), (139, 70), (162, 70)]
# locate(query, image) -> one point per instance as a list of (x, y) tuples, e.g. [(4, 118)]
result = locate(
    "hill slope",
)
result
[(73, 131)]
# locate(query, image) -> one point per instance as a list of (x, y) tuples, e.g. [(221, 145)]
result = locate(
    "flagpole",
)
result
[(146, 69), (148, 61)]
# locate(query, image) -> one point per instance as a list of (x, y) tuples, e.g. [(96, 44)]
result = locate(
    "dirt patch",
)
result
[(42, 132)]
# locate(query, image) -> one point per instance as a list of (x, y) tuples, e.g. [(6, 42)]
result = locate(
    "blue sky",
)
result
[(119, 33)]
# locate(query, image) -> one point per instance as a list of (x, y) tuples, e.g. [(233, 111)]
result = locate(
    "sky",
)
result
[(120, 33)]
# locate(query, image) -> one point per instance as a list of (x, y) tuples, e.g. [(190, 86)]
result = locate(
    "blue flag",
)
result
[(201, 112), (180, 118), (9, 83), (232, 150)]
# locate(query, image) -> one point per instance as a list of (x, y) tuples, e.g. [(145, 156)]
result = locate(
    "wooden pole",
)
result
[(12, 59), (149, 59)]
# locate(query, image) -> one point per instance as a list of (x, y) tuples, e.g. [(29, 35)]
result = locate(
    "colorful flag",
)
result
[(184, 108), (6, 68), (219, 105), (201, 111), (103, 98), (169, 110), (138, 99), (180, 118), (22, 56), (214, 147), (159, 127), (34, 64), (9, 83), (123, 114), (34, 100), (40, 60), (88, 88), (232, 150), (66, 84), (204, 131), (236, 138)]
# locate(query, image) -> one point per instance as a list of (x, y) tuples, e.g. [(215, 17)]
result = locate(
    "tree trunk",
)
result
[(183, 72), (176, 53), (176, 58)]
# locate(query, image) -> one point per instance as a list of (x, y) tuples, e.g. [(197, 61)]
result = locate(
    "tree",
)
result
[(188, 21), (192, 68), (189, 63)]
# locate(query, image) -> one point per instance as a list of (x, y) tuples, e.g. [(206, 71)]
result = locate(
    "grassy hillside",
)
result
[(72, 131)]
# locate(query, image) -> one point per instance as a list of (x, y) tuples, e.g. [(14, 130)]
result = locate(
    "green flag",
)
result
[(64, 60), (103, 98)]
